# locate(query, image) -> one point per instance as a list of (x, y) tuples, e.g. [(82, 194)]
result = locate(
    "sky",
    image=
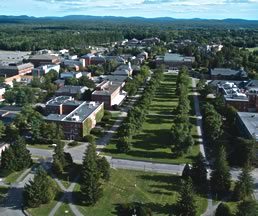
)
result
[(209, 9)]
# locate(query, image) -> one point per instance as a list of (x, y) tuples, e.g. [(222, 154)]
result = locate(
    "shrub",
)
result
[(89, 138), (96, 131), (107, 115), (73, 144)]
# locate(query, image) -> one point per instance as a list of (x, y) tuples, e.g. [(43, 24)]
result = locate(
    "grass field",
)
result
[(64, 210), (153, 142), (46, 208), (157, 191), (41, 146), (10, 177)]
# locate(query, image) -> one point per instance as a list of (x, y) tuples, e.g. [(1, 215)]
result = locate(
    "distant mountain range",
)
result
[(24, 18)]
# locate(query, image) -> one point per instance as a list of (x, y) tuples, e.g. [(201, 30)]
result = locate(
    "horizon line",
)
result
[(143, 17)]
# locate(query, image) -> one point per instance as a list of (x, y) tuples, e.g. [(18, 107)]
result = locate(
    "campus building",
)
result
[(110, 93), (175, 61), (76, 118), (15, 69)]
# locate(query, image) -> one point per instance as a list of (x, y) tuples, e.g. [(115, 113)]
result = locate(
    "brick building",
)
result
[(109, 92), (76, 118), (44, 59), (15, 69)]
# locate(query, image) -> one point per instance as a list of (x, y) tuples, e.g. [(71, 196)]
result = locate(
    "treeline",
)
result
[(137, 115), (181, 138), (132, 85), (30, 36)]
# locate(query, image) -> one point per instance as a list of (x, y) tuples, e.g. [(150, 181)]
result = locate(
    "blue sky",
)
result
[(212, 9)]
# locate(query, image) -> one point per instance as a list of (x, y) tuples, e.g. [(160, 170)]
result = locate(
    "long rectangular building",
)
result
[(76, 118)]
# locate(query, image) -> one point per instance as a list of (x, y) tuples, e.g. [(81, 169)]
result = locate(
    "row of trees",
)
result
[(133, 85), (137, 115), (181, 138)]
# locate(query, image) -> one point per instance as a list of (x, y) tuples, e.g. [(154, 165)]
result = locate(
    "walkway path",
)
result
[(67, 197), (210, 208)]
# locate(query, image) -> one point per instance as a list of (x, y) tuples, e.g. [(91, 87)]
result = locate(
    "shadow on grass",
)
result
[(70, 173), (152, 140), (155, 208)]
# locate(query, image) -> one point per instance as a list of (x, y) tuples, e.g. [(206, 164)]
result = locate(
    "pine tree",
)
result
[(199, 172), (104, 168), (223, 210), (185, 205), (59, 162), (40, 190), (247, 208), (7, 159), (16, 157), (245, 185), (186, 172), (220, 176), (90, 184), (22, 155)]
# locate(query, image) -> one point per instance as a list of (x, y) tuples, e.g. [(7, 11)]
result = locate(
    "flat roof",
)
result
[(250, 120), (72, 89), (111, 87), (175, 57), (81, 113), (57, 101)]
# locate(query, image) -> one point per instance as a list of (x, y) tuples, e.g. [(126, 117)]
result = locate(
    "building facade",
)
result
[(76, 118)]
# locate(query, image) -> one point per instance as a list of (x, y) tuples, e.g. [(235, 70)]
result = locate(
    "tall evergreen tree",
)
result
[(16, 157), (247, 208), (245, 185), (40, 190), (185, 205), (186, 174), (104, 168), (220, 176), (90, 183), (59, 161), (199, 172)]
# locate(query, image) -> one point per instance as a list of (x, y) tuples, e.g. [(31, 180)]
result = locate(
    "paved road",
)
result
[(12, 205), (146, 166)]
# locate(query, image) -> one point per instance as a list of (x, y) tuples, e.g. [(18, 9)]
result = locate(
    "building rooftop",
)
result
[(72, 89), (17, 66), (43, 57), (174, 57), (82, 112), (57, 101), (107, 87), (250, 121), (228, 72)]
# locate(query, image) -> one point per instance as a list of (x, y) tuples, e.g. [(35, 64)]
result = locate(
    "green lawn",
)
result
[(41, 146), (152, 143), (10, 177), (157, 191), (64, 210), (46, 208), (3, 193)]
